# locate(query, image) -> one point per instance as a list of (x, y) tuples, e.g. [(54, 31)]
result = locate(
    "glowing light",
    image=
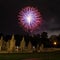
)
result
[(55, 43), (29, 18)]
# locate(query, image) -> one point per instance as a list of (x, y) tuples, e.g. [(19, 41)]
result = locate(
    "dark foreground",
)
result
[(31, 56)]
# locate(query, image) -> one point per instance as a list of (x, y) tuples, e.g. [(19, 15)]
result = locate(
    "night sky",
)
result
[(50, 11)]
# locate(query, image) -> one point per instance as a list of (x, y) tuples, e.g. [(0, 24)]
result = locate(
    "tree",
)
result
[(29, 46), (26, 37), (53, 40), (44, 39), (1, 41), (18, 39), (12, 44), (44, 35), (22, 44)]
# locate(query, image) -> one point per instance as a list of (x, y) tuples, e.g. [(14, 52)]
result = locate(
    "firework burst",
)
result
[(29, 18)]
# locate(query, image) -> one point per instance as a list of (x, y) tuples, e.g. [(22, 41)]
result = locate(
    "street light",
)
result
[(55, 43)]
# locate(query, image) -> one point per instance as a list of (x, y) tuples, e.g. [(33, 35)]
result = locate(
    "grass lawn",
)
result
[(22, 56)]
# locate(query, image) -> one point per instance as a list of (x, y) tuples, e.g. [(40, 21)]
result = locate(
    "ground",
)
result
[(31, 56)]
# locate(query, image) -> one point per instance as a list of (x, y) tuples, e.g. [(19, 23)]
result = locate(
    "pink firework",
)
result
[(29, 18)]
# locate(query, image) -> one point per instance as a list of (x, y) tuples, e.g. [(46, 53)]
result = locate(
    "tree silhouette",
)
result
[(26, 37), (53, 40), (18, 39), (58, 38), (7, 37), (44, 39), (1, 34)]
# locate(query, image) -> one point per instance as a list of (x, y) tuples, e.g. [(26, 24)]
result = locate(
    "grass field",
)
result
[(22, 56)]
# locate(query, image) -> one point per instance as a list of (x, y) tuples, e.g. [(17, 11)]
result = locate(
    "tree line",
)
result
[(53, 41)]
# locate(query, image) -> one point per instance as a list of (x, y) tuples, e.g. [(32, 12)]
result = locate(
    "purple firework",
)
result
[(29, 18)]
